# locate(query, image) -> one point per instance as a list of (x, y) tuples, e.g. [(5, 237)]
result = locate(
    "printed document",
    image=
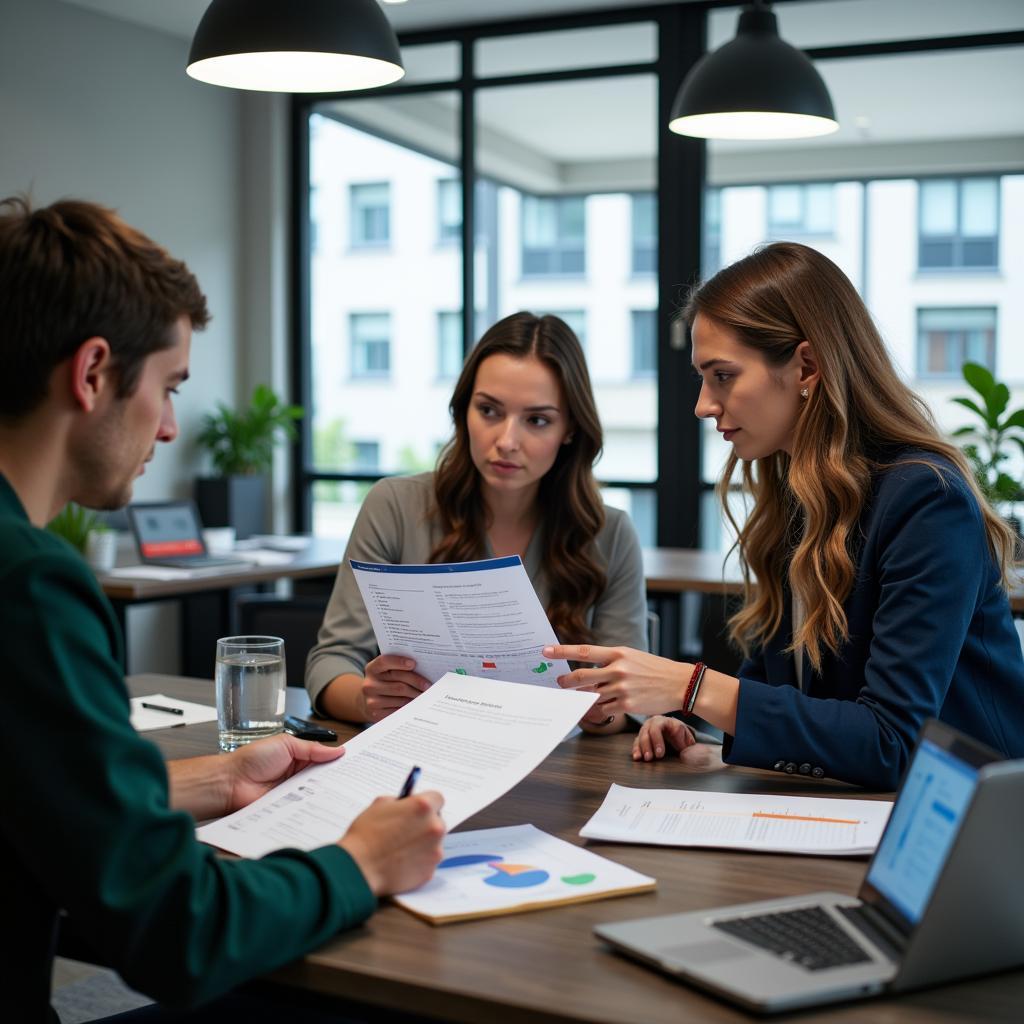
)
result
[(739, 821), (473, 618), (473, 739), (508, 870)]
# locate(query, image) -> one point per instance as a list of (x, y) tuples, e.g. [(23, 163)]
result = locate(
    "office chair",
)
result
[(295, 619)]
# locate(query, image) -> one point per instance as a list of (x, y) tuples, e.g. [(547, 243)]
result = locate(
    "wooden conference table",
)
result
[(546, 966)]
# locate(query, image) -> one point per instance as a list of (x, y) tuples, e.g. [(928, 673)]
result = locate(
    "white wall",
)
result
[(99, 109)]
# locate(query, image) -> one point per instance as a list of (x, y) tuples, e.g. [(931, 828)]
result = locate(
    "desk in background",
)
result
[(207, 599), (547, 967)]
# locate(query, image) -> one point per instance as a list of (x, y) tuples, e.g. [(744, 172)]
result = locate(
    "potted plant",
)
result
[(241, 449), (87, 534), (987, 451)]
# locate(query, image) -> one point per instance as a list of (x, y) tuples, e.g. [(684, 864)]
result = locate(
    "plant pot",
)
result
[(101, 550), (237, 501)]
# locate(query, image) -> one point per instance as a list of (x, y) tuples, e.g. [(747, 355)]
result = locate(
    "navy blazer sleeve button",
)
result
[(790, 767), (818, 772), (779, 766), (805, 769)]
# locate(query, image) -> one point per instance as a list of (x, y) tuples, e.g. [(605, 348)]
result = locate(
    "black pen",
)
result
[(161, 707), (410, 781)]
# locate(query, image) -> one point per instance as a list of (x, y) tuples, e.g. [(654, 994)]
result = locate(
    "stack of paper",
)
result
[(508, 870), (740, 821)]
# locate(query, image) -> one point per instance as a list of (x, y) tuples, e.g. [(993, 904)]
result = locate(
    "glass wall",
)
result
[(385, 291), (918, 198)]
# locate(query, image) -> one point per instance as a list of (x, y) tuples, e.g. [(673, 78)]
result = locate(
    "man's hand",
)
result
[(397, 843), (390, 682), (258, 767)]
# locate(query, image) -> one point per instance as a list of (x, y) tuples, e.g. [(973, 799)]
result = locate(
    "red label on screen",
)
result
[(163, 548)]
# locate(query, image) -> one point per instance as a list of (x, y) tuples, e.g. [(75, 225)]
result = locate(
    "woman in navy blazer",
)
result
[(876, 573)]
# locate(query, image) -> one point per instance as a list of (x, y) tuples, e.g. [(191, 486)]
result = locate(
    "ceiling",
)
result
[(180, 17)]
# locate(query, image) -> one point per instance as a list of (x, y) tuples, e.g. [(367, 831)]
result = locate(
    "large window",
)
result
[(579, 197), (959, 224), (554, 236), (948, 338), (370, 207)]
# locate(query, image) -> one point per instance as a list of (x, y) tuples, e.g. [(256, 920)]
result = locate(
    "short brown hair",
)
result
[(75, 270)]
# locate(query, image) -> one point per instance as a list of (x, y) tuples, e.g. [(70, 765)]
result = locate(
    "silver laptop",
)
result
[(169, 533), (942, 899)]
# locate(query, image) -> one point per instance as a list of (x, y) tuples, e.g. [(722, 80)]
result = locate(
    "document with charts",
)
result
[(509, 870), (472, 618), (473, 740), (740, 821)]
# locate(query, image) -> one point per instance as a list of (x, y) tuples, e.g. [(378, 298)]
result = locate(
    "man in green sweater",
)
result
[(95, 329)]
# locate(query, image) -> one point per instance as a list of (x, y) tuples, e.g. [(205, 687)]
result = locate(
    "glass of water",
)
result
[(250, 685)]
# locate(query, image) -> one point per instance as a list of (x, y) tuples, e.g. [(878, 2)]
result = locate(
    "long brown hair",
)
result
[(855, 423), (570, 506)]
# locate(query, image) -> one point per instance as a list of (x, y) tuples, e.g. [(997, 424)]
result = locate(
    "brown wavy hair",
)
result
[(569, 503), (858, 420)]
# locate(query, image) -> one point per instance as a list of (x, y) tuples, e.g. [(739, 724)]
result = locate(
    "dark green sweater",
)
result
[(87, 828)]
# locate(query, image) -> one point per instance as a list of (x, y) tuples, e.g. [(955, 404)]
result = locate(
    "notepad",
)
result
[(509, 870), (740, 821)]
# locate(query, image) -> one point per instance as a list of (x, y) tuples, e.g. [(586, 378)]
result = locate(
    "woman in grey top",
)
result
[(516, 479)]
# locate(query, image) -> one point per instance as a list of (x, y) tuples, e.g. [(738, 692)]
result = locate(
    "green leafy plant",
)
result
[(243, 442), (74, 524), (988, 451)]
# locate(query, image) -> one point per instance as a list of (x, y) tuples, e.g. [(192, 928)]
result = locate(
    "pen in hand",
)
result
[(410, 781), (162, 707)]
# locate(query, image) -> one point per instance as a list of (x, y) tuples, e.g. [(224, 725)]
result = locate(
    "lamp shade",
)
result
[(295, 46), (754, 87)]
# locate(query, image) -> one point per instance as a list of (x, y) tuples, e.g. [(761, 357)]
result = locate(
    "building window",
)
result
[(958, 224), (449, 345), (948, 338), (711, 250), (371, 344), (645, 233), (365, 456), (645, 342), (449, 211), (554, 236), (576, 319), (800, 210), (370, 211)]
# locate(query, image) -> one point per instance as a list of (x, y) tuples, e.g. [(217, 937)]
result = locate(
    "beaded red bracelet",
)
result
[(693, 686)]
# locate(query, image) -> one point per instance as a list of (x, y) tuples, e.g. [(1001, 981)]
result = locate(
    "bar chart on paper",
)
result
[(776, 824)]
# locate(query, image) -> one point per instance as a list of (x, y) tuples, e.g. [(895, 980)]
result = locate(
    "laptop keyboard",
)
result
[(807, 937)]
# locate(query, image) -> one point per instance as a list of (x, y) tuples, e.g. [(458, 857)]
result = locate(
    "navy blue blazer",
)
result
[(931, 635)]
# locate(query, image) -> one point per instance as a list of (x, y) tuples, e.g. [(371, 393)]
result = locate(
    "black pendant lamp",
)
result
[(755, 87), (295, 46)]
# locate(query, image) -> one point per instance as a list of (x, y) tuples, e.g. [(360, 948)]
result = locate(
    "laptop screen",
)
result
[(920, 833), (167, 531)]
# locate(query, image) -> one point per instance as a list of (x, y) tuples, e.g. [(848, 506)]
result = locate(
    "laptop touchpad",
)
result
[(703, 953)]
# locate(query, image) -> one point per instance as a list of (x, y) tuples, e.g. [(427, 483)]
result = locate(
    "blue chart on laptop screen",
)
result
[(921, 831)]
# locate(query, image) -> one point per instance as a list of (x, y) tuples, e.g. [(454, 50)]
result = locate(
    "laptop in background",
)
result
[(942, 899), (169, 533)]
